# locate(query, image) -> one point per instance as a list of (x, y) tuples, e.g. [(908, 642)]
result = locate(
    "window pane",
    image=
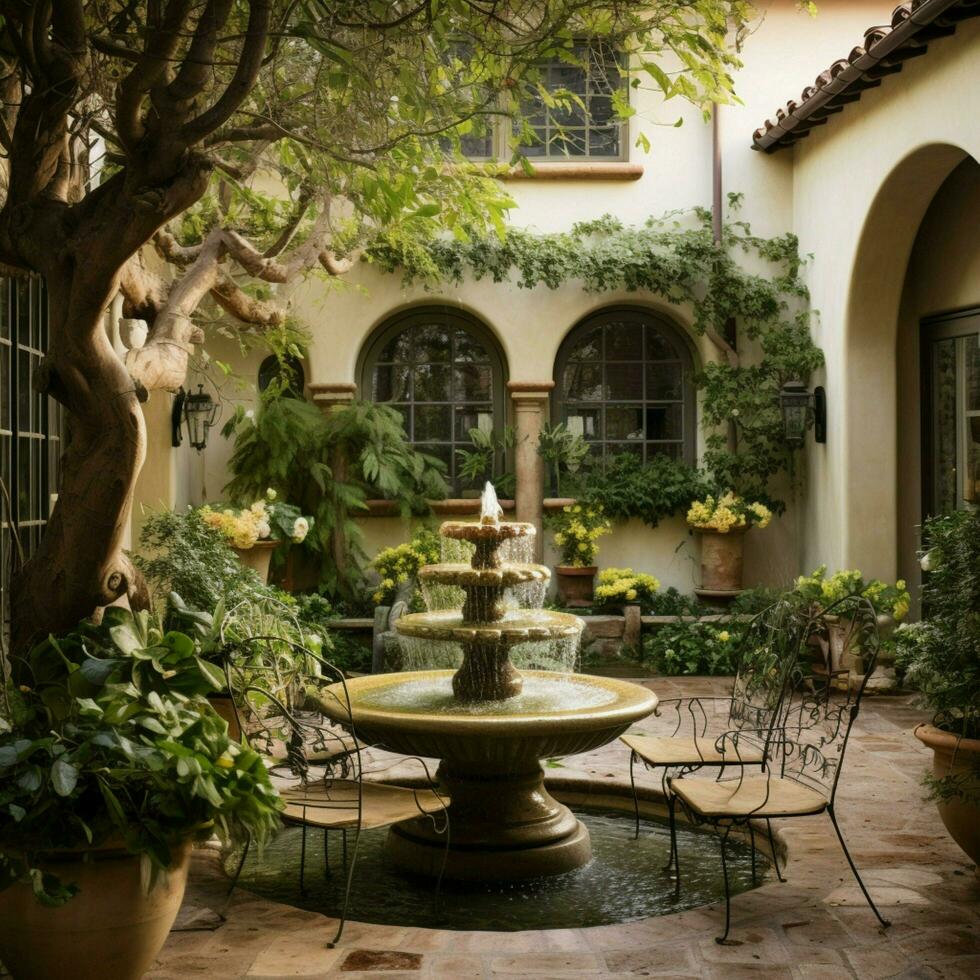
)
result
[(399, 348), (472, 417), (584, 422), (433, 423), (23, 392), (588, 347), (624, 421), (468, 348), (673, 450), (664, 381), (604, 142), (624, 341), (473, 383), (5, 387), (619, 448), (665, 422), (391, 383), (624, 381), (659, 348), (5, 325), (431, 383), (24, 483), (23, 313), (443, 452), (431, 343), (583, 382)]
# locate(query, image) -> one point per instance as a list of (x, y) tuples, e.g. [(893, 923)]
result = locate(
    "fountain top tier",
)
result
[(501, 531), (505, 576)]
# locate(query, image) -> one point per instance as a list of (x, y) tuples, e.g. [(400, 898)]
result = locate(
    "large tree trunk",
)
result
[(80, 565)]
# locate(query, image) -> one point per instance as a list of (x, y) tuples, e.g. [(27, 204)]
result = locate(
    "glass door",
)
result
[(951, 348)]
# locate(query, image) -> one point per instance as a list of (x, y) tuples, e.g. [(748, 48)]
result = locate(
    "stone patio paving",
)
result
[(815, 926)]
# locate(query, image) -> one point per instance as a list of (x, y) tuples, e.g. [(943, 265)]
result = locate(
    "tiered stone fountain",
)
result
[(489, 723)]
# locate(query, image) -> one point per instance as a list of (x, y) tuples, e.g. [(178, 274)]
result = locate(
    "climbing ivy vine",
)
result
[(752, 280)]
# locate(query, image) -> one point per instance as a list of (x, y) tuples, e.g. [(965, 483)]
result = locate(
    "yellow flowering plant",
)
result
[(397, 565), (726, 513), (619, 586), (576, 530), (268, 519), (823, 591)]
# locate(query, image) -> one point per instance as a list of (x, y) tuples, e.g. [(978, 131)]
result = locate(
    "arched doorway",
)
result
[(874, 434)]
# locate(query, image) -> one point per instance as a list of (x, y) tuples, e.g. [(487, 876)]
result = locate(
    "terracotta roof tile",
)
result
[(885, 49)]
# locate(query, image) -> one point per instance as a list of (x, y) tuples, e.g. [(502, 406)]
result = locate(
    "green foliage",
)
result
[(479, 464), (821, 591), (680, 261), (108, 735), (398, 565), (627, 487), (693, 647), (941, 655), (563, 452), (292, 447), (618, 586)]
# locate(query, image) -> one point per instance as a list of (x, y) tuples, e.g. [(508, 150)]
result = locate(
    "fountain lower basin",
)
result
[(504, 823)]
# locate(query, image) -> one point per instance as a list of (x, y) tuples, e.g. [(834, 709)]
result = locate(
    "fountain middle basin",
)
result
[(504, 822)]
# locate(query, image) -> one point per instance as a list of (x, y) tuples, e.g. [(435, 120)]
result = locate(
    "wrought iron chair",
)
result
[(768, 657), (279, 717), (805, 756)]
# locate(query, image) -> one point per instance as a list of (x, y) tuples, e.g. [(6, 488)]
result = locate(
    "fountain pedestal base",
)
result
[(503, 826)]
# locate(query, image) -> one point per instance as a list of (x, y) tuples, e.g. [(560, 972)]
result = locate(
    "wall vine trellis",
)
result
[(675, 257)]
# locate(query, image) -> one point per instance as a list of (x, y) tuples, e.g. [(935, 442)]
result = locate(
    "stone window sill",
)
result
[(577, 171)]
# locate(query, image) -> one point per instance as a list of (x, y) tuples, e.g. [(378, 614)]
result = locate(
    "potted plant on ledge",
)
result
[(941, 657), (576, 530), (113, 765), (254, 532), (722, 523)]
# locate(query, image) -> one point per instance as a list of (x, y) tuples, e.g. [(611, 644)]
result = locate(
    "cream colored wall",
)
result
[(862, 184), (785, 52), (943, 275)]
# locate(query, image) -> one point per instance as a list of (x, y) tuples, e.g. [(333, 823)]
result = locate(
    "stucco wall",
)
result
[(785, 52), (862, 184)]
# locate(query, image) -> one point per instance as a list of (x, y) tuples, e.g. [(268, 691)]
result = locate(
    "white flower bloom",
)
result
[(925, 562), (250, 414), (301, 527), (263, 530), (271, 494)]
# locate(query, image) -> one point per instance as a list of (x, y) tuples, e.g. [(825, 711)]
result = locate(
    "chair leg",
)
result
[(347, 890), (302, 862), (772, 848), (854, 870), (442, 868), (241, 865), (721, 940), (674, 858), (636, 800)]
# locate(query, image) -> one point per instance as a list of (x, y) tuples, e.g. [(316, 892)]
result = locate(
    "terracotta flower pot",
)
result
[(721, 560), (111, 930), (952, 756), (575, 585), (257, 557)]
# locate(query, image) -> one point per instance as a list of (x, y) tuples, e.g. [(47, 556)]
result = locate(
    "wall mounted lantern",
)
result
[(800, 408), (198, 411)]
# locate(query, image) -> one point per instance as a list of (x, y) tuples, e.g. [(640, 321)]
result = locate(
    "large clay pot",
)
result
[(951, 756), (721, 560), (111, 930), (257, 557), (224, 708), (575, 585)]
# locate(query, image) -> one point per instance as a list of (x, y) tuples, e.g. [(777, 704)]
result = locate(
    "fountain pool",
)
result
[(489, 723)]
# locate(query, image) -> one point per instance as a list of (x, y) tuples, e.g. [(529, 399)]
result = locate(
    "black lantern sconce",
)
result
[(800, 407), (198, 411)]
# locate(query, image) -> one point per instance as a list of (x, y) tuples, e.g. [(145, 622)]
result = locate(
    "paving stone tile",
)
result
[(295, 956), (654, 961), (878, 962), (461, 967), (556, 963)]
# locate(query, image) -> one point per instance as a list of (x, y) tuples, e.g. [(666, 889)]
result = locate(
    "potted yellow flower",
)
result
[(254, 532), (576, 531), (625, 587), (722, 523)]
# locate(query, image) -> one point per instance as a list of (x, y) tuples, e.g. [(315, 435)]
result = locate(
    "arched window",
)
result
[(623, 381), (444, 373)]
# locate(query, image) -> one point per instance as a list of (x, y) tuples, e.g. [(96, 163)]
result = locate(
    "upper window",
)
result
[(443, 372), (570, 118), (574, 116), (623, 382)]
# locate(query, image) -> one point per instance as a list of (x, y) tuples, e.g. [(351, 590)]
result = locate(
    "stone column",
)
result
[(330, 398), (530, 400)]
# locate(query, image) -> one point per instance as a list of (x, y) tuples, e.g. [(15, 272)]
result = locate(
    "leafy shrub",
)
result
[(627, 487), (576, 531), (108, 735), (693, 647), (396, 566), (891, 600)]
